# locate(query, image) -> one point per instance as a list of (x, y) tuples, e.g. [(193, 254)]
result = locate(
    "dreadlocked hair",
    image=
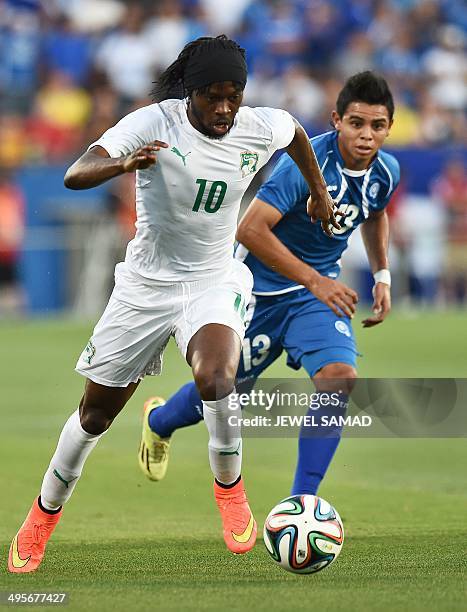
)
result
[(170, 83)]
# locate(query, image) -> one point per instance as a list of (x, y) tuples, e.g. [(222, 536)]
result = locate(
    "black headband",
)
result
[(217, 66)]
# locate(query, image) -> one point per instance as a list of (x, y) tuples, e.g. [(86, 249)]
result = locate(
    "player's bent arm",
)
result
[(320, 206), (93, 168), (301, 151), (254, 232), (96, 166), (375, 234)]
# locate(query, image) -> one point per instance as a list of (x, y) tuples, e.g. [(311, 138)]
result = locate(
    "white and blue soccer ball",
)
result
[(303, 534)]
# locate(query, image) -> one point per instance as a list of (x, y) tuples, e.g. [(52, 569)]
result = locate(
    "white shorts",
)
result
[(130, 337)]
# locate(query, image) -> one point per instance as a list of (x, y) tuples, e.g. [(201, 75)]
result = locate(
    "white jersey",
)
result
[(187, 204)]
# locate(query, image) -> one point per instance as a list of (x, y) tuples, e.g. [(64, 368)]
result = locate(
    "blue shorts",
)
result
[(300, 324)]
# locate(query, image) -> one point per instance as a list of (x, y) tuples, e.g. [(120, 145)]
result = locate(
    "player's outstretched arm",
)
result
[(96, 166), (320, 205), (375, 234), (254, 232)]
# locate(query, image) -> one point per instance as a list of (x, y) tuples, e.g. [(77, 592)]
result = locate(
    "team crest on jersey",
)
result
[(89, 352), (248, 162), (374, 190), (342, 328)]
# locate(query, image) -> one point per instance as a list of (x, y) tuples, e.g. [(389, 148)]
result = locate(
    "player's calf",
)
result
[(74, 446)]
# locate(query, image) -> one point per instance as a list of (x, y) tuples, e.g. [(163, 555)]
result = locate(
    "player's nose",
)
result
[(366, 132), (222, 107)]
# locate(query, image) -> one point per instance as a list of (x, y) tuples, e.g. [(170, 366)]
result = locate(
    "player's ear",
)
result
[(335, 119)]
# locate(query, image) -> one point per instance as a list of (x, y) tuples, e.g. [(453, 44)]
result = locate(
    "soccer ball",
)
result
[(303, 533)]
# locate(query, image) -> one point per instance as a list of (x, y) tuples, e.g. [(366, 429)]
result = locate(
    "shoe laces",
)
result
[(160, 450), (234, 507), (39, 532), (32, 539)]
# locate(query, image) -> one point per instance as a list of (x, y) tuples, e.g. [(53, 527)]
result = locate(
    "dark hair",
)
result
[(170, 83), (367, 87)]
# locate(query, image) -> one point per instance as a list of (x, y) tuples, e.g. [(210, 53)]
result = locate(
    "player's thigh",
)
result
[(222, 304), (315, 339), (129, 339)]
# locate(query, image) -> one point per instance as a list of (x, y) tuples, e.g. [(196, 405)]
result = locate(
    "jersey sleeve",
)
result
[(285, 186), (130, 133), (392, 172), (281, 124)]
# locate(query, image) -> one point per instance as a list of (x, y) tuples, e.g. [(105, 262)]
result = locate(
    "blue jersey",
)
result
[(355, 194)]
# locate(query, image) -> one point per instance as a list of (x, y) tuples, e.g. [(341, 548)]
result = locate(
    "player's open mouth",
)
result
[(364, 150), (221, 128)]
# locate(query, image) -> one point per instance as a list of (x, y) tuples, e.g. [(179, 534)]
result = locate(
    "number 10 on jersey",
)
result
[(215, 196)]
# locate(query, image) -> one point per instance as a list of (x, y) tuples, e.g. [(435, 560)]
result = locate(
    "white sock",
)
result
[(225, 442), (73, 448)]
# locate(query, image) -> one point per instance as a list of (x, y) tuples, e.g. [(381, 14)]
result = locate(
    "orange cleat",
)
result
[(237, 520), (28, 546)]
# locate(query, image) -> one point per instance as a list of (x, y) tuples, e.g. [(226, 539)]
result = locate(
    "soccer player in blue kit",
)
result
[(298, 305)]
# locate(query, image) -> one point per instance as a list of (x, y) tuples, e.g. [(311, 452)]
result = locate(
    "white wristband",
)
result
[(382, 276)]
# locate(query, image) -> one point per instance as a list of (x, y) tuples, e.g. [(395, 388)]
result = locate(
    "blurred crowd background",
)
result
[(69, 69)]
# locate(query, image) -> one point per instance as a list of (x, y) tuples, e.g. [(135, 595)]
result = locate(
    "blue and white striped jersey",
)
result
[(355, 193)]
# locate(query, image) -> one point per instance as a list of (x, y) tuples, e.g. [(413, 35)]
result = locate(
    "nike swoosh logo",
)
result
[(246, 535), (16, 559)]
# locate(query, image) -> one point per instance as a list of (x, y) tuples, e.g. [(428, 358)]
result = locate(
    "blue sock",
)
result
[(181, 409), (316, 447)]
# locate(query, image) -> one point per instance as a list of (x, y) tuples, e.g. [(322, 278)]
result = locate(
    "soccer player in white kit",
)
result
[(194, 159)]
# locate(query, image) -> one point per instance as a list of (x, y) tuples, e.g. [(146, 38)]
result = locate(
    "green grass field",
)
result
[(125, 543)]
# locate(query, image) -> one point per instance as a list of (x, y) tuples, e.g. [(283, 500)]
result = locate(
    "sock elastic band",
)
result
[(56, 511), (228, 486)]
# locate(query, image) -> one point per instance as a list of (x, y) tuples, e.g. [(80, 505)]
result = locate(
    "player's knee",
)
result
[(94, 418), (214, 381), (100, 405), (336, 377)]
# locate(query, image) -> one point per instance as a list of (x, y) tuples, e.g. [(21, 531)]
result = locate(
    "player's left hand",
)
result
[(381, 305), (321, 208)]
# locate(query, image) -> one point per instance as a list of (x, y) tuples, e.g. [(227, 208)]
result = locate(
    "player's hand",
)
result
[(381, 305), (321, 208), (143, 157), (342, 300)]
